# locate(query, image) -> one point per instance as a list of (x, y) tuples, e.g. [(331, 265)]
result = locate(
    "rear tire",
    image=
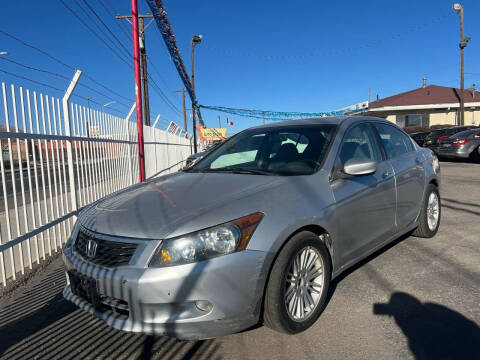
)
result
[(297, 280), (431, 209)]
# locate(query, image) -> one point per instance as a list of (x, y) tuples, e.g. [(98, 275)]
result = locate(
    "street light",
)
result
[(196, 39), (458, 8)]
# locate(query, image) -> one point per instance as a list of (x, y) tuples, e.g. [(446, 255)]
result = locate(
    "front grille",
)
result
[(108, 253)]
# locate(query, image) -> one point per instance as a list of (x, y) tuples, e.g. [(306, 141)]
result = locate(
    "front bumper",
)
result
[(163, 301)]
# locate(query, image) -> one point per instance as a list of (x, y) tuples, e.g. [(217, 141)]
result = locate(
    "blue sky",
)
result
[(274, 55)]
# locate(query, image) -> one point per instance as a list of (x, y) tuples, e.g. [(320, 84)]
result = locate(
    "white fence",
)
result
[(58, 157), (164, 152)]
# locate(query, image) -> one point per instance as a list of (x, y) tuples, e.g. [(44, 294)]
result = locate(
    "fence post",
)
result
[(66, 118), (127, 119)]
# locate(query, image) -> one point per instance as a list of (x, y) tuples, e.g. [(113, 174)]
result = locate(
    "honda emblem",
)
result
[(91, 248)]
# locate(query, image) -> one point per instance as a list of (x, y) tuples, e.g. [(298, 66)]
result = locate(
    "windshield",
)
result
[(276, 151)]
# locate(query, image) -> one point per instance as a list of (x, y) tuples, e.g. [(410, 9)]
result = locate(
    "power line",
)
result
[(163, 96), (158, 73), (62, 77), (105, 26), (112, 14), (91, 20), (37, 49), (129, 31), (57, 60), (95, 33), (156, 87), (55, 88)]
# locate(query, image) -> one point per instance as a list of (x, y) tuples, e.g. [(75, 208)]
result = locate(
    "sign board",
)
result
[(211, 133)]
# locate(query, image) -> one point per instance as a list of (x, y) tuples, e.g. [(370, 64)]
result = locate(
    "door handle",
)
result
[(386, 174), (417, 160)]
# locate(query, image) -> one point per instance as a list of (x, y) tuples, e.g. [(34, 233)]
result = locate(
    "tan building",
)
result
[(427, 106)]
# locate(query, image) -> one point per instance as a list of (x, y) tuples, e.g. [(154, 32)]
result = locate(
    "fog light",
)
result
[(204, 305)]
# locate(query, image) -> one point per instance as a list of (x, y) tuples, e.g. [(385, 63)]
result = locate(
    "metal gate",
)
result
[(58, 157)]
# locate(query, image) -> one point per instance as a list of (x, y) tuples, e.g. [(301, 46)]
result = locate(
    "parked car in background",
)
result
[(465, 144), (194, 157), (253, 231), (432, 140), (419, 137)]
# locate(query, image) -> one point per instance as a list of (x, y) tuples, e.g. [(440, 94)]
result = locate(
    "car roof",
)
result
[(335, 120)]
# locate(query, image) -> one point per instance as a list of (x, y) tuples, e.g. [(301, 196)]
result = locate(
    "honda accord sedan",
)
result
[(254, 232)]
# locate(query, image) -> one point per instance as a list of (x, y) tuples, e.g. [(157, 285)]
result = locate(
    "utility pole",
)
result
[(143, 63), (458, 8), (184, 110), (219, 122), (138, 91)]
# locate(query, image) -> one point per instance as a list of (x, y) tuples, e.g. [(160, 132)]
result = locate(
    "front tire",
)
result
[(430, 214), (299, 280)]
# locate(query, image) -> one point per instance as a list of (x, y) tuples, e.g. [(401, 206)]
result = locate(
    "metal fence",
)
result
[(58, 157)]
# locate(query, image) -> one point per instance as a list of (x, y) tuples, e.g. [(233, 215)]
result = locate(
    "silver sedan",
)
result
[(253, 232)]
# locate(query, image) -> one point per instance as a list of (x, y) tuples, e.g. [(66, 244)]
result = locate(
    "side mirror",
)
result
[(358, 166)]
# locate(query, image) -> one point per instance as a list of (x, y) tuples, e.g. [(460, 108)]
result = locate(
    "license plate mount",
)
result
[(84, 287)]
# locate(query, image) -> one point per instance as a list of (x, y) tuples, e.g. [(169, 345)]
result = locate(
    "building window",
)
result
[(404, 121), (413, 120)]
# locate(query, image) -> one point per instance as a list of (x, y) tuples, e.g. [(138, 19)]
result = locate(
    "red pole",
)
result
[(138, 91)]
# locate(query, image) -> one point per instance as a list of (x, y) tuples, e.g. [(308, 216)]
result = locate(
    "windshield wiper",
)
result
[(246, 171)]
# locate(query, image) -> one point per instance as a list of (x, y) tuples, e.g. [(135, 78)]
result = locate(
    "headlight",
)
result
[(204, 244)]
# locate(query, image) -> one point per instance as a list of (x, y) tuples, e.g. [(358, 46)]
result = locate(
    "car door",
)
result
[(408, 171), (365, 205)]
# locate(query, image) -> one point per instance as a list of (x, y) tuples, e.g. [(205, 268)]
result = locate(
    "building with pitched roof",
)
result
[(427, 106)]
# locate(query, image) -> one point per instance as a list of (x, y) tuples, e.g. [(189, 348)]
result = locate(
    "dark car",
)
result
[(432, 141), (465, 144), (419, 137)]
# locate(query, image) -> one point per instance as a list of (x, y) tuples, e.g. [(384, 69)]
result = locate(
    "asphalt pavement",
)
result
[(416, 299)]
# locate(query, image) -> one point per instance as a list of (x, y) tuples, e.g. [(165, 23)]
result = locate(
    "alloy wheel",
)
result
[(304, 284), (432, 211)]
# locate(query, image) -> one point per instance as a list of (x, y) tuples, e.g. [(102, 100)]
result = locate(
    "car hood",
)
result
[(158, 207)]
